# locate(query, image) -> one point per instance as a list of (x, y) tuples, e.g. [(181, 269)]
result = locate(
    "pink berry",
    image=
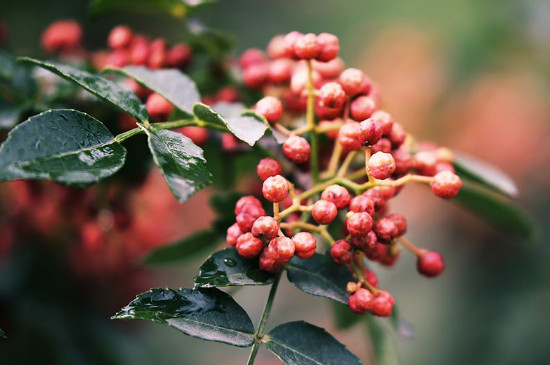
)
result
[(386, 230), (352, 81), (120, 37), (198, 135), (276, 47), (158, 107), (290, 41), (157, 54), (332, 95), (350, 136), (371, 130), (381, 165), (255, 76), (361, 301), (399, 221), (179, 55), (337, 194), (370, 276), (252, 56), (430, 264), (270, 108), (275, 188), (328, 47), (342, 252), (362, 108), (246, 200), (280, 71), (64, 35), (359, 224), (305, 244), (366, 242), (385, 119), (403, 160), (446, 184), (249, 246), (383, 145), (233, 233), (324, 212), (268, 167), (283, 247), (297, 149), (362, 203), (265, 227), (306, 46), (382, 304), (330, 69)]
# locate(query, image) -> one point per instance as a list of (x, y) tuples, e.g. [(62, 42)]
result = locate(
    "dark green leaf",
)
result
[(180, 160), (9, 114), (104, 89), (209, 314), (2, 334), (62, 145), (320, 276), (383, 342), (301, 343), (175, 86), (228, 268), (248, 127), (15, 78), (184, 248), (176, 8), (484, 173), (496, 209)]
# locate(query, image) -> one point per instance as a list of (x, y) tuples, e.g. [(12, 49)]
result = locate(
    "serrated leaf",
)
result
[(301, 343), (9, 114), (320, 276), (248, 127), (174, 85), (2, 334), (384, 345), (181, 162), (228, 268), (62, 145), (496, 209), (184, 248), (209, 314), (104, 89), (484, 173)]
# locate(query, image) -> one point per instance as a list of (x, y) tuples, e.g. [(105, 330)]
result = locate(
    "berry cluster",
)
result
[(372, 158)]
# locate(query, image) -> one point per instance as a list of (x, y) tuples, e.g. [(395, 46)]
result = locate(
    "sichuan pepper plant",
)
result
[(328, 162)]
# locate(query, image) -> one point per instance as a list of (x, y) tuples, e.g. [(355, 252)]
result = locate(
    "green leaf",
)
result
[(104, 89), (184, 248), (344, 318), (15, 78), (180, 160), (301, 343), (9, 114), (175, 8), (320, 276), (384, 345), (248, 127), (209, 314), (485, 174), (496, 209), (62, 145), (175, 86), (228, 268), (2, 334)]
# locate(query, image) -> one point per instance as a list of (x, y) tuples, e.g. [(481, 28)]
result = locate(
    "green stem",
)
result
[(263, 320), (310, 117)]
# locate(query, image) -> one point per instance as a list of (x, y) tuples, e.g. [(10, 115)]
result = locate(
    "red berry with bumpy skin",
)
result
[(362, 203), (337, 194), (63, 35), (430, 264), (362, 108), (179, 55), (350, 136), (383, 145), (233, 233), (269, 260), (330, 69), (352, 81), (139, 50), (275, 188), (265, 227), (157, 54), (276, 47), (270, 108), (359, 224), (382, 304), (332, 95), (306, 46), (400, 222), (252, 56), (280, 71), (304, 243), (119, 37), (403, 160), (249, 246), (324, 211), (385, 119), (424, 162), (342, 252), (255, 76), (245, 200), (386, 230), (446, 184), (397, 135), (371, 130), (268, 167), (365, 243), (361, 301), (290, 43), (328, 47), (284, 248), (297, 149), (381, 165), (248, 215), (158, 107), (324, 112), (370, 277)]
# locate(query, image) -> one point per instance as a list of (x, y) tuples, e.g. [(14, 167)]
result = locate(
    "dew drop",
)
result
[(229, 262)]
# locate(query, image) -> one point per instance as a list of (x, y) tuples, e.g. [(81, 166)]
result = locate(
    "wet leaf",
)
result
[(104, 89), (301, 343), (228, 268), (62, 145), (184, 248), (209, 314)]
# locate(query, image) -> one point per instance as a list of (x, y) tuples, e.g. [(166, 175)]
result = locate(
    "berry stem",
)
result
[(334, 159), (276, 211), (283, 129), (368, 152), (168, 125), (310, 117), (263, 321), (410, 246), (345, 165)]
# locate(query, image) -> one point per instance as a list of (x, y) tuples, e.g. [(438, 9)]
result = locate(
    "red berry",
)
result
[(252, 56), (158, 107), (382, 304), (306, 46), (361, 301), (270, 108), (365, 243), (385, 119), (370, 276), (350, 136), (265, 227), (139, 51), (376, 196), (324, 112), (330, 69), (362, 108), (275, 188), (233, 233), (389, 256), (424, 162), (248, 215), (342, 252), (269, 260), (386, 230), (117, 58), (60, 36), (352, 81), (328, 47), (337, 194), (305, 244), (324, 211), (245, 200), (332, 95), (403, 160), (397, 135), (446, 184), (276, 47), (430, 264), (362, 203), (255, 76), (228, 94), (297, 149), (120, 37), (399, 221), (249, 246), (371, 130), (283, 247), (381, 165), (299, 80), (290, 43), (268, 167), (179, 55), (359, 224), (279, 71), (383, 145), (198, 135), (229, 142), (157, 54)]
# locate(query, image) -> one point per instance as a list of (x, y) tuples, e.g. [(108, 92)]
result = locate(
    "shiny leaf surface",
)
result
[(62, 145), (209, 314)]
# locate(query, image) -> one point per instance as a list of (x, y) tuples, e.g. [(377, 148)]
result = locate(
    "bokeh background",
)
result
[(473, 75)]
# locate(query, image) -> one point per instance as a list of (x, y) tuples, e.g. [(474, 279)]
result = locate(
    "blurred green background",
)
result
[(471, 74)]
